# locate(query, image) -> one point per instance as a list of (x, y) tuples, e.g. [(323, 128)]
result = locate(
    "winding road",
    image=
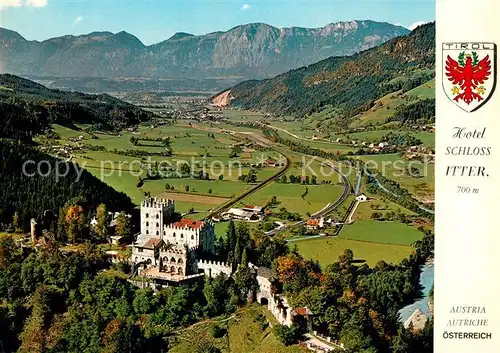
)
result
[(327, 209), (259, 139)]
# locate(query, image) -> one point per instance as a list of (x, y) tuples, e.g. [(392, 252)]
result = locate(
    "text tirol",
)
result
[(469, 46)]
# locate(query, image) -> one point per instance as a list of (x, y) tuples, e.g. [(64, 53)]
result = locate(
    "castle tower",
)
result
[(155, 212), (34, 230)]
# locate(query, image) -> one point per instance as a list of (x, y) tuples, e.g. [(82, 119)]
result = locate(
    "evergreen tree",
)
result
[(230, 235)]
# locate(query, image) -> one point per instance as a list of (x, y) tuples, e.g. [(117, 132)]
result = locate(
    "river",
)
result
[(426, 281)]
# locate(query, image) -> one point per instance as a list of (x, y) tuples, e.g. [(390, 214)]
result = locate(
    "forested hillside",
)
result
[(31, 193), (27, 108), (349, 84)]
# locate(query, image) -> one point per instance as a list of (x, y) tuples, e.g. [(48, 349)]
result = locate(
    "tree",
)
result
[(287, 335), (244, 258), (16, 223), (118, 336), (167, 186), (101, 227), (209, 191), (75, 222), (144, 301), (186, 187), (221, 177), (230, 235), (122, 228)]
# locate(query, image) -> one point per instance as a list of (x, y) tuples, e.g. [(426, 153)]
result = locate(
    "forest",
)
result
[(74, 302), (40, 188), (33, 107)]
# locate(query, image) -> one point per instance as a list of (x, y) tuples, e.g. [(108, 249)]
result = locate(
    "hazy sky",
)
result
[(155, 20)]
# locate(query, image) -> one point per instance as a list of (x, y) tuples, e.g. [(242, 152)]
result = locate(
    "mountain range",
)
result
[(250, 51), (346, 85)]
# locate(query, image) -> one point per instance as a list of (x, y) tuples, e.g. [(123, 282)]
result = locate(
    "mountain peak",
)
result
[(180, 35)]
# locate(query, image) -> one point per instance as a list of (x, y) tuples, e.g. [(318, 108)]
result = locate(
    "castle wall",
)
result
[(214, 268), (181, 236)]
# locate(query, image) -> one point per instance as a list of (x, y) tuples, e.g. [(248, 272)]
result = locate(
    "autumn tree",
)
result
[(75, 222), (118, 336)]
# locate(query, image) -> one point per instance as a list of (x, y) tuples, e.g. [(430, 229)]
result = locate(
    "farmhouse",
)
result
[(362, 198), (269, 163), (247, 213), (315, 223)]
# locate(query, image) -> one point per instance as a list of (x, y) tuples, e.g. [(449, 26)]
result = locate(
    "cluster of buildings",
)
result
[(249, 213), (169, 251)]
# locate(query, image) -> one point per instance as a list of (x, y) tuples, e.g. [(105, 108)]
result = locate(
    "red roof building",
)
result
[(188, 223)]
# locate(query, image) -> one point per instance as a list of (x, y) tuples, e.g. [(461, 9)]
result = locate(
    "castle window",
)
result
[(157, 216), (157, 224), (147, 231), (174, 234), (147, 215), (172, 260), (157, 233), (182, 236), (147, 224), (180, 261), (192, 237), (180, 272)]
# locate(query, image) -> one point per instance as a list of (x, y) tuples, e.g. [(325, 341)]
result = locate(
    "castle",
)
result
[(168, 251)]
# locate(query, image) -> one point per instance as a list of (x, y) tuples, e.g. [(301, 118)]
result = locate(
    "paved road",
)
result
[(328, 208)]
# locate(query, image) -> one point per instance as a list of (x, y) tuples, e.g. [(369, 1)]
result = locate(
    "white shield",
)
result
[(469, 73)]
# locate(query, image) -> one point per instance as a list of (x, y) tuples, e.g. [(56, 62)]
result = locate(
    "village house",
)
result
[(315, 223), (362, 198), (249, 213), (269, 163)]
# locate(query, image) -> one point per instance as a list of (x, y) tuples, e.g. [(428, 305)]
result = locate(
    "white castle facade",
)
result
[(167, 251)]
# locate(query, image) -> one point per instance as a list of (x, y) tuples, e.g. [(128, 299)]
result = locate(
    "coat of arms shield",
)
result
[(469, 73)]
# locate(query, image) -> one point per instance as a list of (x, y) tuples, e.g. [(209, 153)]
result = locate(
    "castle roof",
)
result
[(302, 311), (265, 272), (148, 243), (188, 223)]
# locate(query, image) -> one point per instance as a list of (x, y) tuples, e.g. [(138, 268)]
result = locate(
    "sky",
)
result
[(153, 21)]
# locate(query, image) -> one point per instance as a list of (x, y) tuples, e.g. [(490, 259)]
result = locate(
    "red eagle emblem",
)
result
[(467, 75)]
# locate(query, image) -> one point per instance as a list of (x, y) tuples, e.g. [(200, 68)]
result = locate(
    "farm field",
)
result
[(327, 250), (243, 335), (365, 209), (290, 197), (383, 232)]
